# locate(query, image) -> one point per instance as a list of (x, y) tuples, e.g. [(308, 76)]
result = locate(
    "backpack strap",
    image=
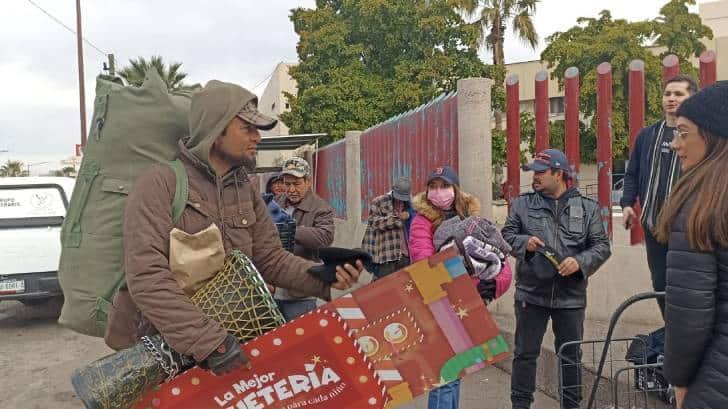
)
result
[(178, 206), (181, 190)]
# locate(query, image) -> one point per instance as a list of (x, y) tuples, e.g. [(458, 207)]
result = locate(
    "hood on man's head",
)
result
[(212, 109)]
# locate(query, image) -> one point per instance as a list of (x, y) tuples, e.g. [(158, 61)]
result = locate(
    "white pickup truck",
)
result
[(31, 213)]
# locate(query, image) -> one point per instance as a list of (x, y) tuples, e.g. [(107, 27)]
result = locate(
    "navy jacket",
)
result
[(637, 175)]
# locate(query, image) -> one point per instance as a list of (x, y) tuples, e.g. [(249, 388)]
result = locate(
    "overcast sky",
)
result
[(233, 40)]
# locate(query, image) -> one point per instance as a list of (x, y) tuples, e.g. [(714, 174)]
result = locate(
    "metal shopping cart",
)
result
[(614, 373)]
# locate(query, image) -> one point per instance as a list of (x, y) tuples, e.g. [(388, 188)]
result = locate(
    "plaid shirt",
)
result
[(385, 231)]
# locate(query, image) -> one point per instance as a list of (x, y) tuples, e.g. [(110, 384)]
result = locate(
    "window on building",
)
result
[(526, 106), (556, 105), (273, 107), (288, 106)]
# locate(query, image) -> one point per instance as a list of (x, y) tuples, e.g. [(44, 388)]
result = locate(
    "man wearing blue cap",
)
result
[(559, 241)]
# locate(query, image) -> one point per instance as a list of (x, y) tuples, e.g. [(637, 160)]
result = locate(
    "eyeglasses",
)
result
[(679, 134)]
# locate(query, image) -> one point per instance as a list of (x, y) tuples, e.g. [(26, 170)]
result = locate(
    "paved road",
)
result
[(487, 389), (37, 358)]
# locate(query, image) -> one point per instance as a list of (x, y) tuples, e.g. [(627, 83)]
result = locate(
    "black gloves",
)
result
[(486, 289), (225, 358), (336, 256)]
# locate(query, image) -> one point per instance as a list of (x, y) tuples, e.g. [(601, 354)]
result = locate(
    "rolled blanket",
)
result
[(473, 226), (486, 259)]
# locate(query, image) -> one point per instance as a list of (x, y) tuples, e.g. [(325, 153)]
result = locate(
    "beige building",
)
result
[(715, 16), (273, 101), (526, 72)]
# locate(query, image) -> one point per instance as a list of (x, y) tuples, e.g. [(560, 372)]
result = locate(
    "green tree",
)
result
[(13, 168), (680, 31), (493, 19), (137, 69), (603, 39), (594, 41), (361, 62), (557, 137)]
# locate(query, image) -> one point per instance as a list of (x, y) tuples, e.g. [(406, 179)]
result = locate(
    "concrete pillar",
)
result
[(474, 141), (353, 176)]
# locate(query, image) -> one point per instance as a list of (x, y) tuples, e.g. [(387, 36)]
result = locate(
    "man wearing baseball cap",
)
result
[(559, 241), (314, 228), (387, 234), (223, 123)]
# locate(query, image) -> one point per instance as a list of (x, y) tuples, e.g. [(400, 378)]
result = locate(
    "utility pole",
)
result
[(111, 68), (81, 87)]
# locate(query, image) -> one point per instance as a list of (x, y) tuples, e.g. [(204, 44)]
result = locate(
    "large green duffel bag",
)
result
[(132, 128)]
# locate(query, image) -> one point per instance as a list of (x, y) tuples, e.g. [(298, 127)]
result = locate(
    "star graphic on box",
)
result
[(435, 331)]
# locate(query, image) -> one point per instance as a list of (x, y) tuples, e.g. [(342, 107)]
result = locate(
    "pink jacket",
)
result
[(423, 225), (420, 245), (503, 279)]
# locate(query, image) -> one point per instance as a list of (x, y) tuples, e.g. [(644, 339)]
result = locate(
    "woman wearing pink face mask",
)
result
[(442, 200)]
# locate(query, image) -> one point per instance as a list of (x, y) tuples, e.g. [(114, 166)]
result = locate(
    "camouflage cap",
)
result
[(251, 115), (297, 167)]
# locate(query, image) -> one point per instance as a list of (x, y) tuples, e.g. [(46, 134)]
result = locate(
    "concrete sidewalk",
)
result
[(547, 375), (489, 388)]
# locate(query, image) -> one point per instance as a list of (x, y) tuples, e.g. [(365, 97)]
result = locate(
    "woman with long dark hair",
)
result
[(694, 223)]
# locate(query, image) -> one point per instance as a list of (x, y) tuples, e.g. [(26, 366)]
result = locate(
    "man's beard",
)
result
[(246, 161)]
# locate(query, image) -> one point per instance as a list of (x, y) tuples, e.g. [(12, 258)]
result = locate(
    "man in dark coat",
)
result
[(652, 171), (559, 240)]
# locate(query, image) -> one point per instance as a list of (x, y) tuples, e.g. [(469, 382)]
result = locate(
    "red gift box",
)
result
[(423, 326), (310, 362), (379, 346)]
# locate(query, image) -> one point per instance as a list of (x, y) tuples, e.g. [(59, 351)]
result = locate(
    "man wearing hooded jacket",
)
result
[(224, 123), (559, 241)]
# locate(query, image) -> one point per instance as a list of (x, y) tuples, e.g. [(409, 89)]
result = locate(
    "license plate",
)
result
[(12, 286)]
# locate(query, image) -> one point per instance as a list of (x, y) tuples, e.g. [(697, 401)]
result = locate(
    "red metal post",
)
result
[(604, 144), (670, 67), (572, 143), (708, 69), (513, 139), (636, 123), (542, 110)]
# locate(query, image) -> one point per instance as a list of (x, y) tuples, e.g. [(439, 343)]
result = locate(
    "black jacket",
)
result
[(696, 316), (637, 174), (572, 227)]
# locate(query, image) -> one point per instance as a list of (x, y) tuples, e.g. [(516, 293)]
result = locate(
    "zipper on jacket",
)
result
[(556, 237), (220, 207)]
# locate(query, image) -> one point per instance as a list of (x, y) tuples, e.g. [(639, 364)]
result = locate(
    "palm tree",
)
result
[(171, 75), (12, 168), (493, 18)]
